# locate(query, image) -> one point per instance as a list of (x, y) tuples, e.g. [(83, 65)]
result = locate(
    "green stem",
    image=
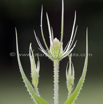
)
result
[(56, 78)]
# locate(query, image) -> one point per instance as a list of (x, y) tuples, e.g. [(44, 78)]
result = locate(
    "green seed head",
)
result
[(55, 48)]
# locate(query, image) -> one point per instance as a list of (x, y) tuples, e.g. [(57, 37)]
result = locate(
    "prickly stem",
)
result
[(56, 78)]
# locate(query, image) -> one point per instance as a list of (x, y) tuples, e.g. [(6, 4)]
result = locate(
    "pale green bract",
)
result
[(30, 89)]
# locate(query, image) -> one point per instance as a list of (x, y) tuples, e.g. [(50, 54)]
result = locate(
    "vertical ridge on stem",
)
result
[(56, 78)]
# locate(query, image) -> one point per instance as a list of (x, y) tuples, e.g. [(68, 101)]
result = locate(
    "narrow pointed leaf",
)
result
[(62, 26), (42, 31), (50, 34), (68, 51), (41, 47), (62, 21), (72, 30), (72, 39), (74, 36)]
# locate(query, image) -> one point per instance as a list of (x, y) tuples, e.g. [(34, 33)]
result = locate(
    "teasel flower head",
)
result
[(56, 51)]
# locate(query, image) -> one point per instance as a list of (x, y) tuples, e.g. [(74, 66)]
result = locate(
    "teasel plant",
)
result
[(56, 53)]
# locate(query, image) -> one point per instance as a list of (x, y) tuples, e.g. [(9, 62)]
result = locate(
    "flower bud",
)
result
[(55, 48), (70, 76), (34, 69)]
